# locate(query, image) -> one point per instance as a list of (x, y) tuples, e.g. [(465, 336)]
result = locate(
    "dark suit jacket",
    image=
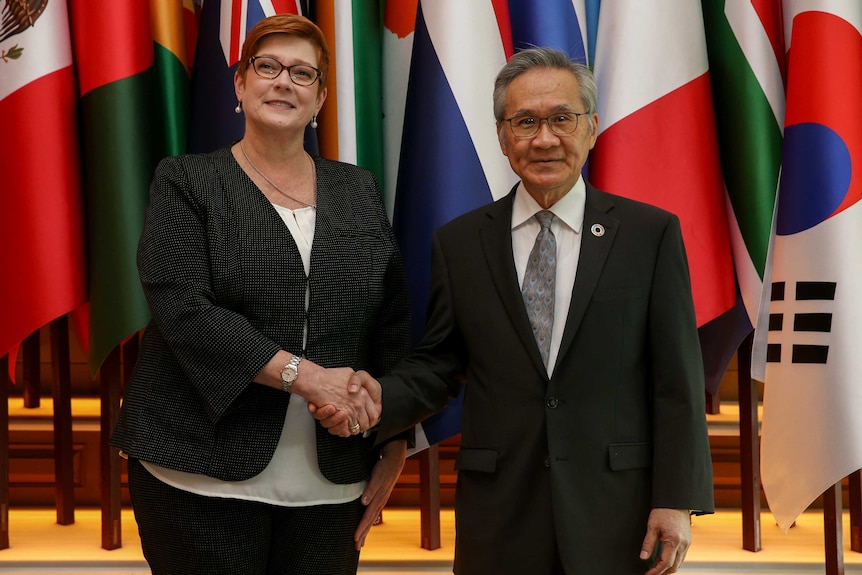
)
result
[(226, 287), (579, 459)]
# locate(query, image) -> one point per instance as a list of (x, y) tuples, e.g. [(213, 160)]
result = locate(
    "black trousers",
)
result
[(186, 534)]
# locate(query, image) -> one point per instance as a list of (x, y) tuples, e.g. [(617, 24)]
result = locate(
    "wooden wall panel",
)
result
[(31, 471)]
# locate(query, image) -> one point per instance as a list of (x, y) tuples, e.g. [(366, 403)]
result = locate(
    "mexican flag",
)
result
[(42, 237)]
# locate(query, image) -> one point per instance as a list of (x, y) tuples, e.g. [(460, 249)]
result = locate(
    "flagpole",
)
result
[(855, 488), (4, 451), (64, 473), (32, 371), (429, 497), (833, 537), (713, 402), (110, 378), (749, 449)]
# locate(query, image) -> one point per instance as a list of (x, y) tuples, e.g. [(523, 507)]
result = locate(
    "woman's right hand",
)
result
[(355, 410), (360, 387), (330, 387)]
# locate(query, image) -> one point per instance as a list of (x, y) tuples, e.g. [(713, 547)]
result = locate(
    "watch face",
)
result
[(289, 373)]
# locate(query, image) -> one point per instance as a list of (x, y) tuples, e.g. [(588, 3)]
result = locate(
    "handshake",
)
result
[(348, 403)]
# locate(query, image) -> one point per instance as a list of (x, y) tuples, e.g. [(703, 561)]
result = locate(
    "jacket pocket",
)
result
[(630, 455), (484, 460)]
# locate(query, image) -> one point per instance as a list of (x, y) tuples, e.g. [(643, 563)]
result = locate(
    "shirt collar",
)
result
[(569, 209)]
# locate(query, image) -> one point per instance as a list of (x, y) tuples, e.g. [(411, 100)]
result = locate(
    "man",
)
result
[(583, 445)]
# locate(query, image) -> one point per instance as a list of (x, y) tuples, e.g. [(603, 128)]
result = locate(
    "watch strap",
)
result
[(293, 365)]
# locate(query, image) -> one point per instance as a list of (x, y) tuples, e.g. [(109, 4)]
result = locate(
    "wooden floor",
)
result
[(41, 547)]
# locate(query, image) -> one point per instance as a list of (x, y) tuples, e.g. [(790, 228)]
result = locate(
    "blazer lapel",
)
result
[(249, 204), (598, 231), (496, 239), (338, 231)]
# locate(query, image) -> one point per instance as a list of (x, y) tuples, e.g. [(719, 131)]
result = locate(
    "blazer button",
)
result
[(547, 462), (553, 403)]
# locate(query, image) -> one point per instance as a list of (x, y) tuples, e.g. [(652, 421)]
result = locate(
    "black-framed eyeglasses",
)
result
[(561, 124), (270, 68)]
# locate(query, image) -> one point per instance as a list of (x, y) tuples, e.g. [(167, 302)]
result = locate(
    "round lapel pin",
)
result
[(598, 230)]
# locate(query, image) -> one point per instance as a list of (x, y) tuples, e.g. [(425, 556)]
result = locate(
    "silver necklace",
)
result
[(271, 183)]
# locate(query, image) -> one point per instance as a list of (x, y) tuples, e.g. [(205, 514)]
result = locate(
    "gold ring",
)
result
[(355, 428)]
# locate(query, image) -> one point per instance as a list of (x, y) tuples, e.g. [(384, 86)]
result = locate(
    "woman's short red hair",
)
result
[(292, 25)]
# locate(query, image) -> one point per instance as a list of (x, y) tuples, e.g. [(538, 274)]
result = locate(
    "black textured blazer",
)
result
[(226, 288)]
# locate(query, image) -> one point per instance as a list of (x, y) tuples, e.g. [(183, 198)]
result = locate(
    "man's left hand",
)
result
[(380, 486)]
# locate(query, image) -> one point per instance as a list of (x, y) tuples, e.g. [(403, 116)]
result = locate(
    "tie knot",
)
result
[(545, 218)]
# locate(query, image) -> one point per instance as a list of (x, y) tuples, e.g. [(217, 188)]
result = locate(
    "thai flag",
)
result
[(558, 24), (223, 27), (450, 159)]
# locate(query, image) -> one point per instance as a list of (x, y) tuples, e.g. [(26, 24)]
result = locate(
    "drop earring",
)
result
[(238, 108), (314, 122)]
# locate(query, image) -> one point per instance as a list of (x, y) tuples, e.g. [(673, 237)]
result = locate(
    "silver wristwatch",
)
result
[(289, 373)]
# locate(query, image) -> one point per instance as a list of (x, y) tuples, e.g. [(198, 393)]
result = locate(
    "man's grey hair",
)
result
[(548, 58)]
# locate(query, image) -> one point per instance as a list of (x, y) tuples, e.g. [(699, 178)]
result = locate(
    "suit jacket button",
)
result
[(553, 403), (547, 461)]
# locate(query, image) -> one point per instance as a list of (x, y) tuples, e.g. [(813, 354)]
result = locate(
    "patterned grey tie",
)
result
[(539, 280)]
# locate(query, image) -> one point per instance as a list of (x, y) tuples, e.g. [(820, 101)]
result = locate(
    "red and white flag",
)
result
[(41, 207), (657, 139)]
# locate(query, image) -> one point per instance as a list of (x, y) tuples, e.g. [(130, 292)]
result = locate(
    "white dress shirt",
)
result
[(567, 227)]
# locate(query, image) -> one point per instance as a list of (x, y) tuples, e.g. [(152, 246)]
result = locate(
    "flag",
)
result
[(746, 58), (557, 24), (746, 49), (398, 31), (657, 140), (811, 420), (351, 128), (519, 24), (450, 159), (222, 31), (113, 47), (591, 16), (42, 235), (174, 35)]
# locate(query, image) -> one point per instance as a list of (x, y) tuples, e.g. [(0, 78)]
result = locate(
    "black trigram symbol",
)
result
[(802, 322)]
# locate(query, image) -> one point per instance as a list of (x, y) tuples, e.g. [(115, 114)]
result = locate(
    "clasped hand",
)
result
[(348, 406)]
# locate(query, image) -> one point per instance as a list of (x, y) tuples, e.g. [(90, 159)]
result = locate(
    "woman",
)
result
[(271, 275)]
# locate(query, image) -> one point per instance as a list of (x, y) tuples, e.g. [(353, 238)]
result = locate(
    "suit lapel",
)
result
[(598, 231), (496, 237)]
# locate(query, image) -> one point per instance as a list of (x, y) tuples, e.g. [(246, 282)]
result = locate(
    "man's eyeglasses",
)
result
[(561, 123), (270, 68)]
